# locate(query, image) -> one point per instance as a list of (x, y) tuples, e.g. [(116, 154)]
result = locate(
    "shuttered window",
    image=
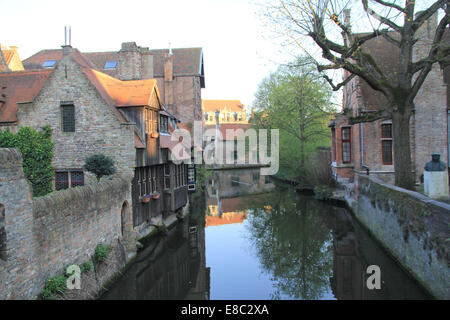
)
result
[(68, 117)]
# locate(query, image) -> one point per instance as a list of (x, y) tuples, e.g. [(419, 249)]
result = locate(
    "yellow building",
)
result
[(230, 111), (9, 59)]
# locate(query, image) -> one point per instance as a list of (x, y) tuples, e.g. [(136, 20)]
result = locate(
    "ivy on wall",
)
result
[(36, 147)]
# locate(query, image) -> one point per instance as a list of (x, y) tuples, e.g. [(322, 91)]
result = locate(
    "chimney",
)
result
[(67, 47), (130, 62), (168, 82)]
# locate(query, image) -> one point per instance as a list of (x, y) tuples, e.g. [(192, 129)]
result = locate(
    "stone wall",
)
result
[(97, 127), (412, 227), (43, 235)]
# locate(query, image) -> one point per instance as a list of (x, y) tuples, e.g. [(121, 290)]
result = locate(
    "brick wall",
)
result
[(97, 127), (46, 234), (430, 105), (186, 102)]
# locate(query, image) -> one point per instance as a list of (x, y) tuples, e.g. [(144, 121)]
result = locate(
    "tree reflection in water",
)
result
[(293, 244)]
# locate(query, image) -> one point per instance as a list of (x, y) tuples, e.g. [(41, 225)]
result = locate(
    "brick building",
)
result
[(179, 72), (219, 116), (91, 112), (358, 147)]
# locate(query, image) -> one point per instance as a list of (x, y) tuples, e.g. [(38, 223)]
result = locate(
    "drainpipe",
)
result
[(361, 143)]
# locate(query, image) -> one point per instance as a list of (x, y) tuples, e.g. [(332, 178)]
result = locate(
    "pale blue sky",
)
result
[(236, 54)]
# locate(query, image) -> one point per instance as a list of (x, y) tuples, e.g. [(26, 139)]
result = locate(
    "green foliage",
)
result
[(101, 252), (87, 266), (202, 176), (37, 153), (100, 165), (54, 287), (295, 100)]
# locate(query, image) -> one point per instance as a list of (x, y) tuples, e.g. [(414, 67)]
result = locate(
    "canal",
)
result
[(248, 238)]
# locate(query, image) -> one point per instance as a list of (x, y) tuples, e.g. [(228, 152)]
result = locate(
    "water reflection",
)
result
[(247, 239)]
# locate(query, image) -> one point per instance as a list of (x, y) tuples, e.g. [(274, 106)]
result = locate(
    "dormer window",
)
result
[(110, 65), (49, 63)]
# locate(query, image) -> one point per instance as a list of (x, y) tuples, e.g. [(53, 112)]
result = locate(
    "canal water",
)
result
[(249, 239)]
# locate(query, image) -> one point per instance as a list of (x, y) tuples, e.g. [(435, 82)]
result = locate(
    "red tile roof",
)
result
[(187, 61), (122, 93), (16, 87)]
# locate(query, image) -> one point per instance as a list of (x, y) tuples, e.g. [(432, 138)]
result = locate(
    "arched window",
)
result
[(3, 253)]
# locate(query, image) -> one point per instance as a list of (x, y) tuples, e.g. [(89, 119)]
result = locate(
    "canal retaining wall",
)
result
[(41, 236), (411, 226)]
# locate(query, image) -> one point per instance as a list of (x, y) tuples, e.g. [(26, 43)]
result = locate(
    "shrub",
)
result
[(87, 266), (54, 286), (101, 252), (37, 153), (100, 165)]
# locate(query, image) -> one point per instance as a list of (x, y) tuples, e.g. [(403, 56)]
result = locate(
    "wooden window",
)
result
[(155, 121), (386, 143), (139, 180), (68, 117), (164, 124), (166, 176), (346, 145), (386, 130)]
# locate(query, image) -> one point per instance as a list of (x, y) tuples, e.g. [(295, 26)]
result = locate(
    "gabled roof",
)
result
[(16, 87), (122, 93)]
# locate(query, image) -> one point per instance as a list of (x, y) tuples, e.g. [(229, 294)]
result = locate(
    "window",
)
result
[(166, 176), (346, 145), (164, 124), (386, 143), (191, 173), (61, 180), (49, 63), (66, 179), (68, 117), (77, 178), (110, 65), (3, 252)]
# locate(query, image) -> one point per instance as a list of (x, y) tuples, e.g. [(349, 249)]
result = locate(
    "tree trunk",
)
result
[(404, 177)]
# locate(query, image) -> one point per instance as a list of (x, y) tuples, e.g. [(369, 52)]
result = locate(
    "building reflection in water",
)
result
[(291, 234), (354, 250), (225, 191), (170, 267)]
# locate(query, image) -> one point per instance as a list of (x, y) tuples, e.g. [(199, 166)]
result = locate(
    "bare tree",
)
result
[(323, 22)]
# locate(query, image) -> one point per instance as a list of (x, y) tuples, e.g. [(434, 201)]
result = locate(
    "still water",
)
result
[(249, 239)]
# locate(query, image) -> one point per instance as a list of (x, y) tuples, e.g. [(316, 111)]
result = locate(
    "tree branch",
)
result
[(383, 20)]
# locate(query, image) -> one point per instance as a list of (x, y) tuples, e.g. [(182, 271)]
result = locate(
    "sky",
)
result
[(238, 53)]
